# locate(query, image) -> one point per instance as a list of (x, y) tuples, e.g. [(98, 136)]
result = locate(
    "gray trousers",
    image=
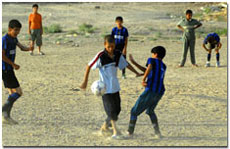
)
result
[(188, 43)]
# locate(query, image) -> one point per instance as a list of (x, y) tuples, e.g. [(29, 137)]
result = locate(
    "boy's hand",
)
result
[(144, 84), (29, 31), (15, 66), (83, 85)]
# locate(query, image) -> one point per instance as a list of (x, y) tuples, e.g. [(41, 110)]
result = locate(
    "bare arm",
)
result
[(197, 26), (29, 31), (219, 46), (84, 84), (130, 67), (149, 68), (205, 47), (8, 61), (180, 27), (23, 48), (41, 29), (143, 69), (125, 48)]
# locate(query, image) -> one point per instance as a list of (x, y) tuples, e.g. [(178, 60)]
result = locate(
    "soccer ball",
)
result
[(98, 88)]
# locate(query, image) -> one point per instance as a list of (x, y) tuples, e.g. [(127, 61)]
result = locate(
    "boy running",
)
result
[(108, 61), (154, 89), (120, 33), (188, 26), (35, 28), (213, 42), (9, 43)]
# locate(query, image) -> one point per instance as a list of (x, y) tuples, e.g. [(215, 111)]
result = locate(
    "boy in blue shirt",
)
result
[(154, 89), (120, 33), (108, 61), (9, 43), (212, 41)]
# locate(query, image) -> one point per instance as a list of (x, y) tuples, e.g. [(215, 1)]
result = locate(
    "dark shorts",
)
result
[(211, 46), (120, 47), (9, 79), (112, 105)]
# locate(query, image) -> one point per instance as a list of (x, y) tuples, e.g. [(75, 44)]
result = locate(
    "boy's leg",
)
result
[(33, 38), (123, 71), (208, 58), (217, 58), (109, 102), (39, 41), (153, 116), (14, 94), (140, 106), (192, 51), (185, 51)]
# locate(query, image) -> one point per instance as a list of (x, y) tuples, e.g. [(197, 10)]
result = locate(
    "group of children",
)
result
[(112, 57), (188, 26)]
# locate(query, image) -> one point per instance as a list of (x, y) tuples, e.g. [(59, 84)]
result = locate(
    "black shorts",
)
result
[(9, 79), (120, 47), (112, 105)]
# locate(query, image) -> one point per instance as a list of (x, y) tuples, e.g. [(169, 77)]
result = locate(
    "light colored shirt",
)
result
[(189, 27), (108, 69)]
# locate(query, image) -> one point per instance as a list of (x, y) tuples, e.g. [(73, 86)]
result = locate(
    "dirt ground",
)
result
[(193, 111)]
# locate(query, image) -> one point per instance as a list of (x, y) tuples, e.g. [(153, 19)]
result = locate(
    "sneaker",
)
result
[(41, 53), (115, 137), (207, 64), (158, 136), (217, 64), (31, 53)]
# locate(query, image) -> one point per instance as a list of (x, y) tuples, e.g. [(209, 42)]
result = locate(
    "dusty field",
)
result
[(193, 111)]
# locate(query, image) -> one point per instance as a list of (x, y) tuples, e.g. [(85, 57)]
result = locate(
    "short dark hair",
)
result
[(35, 5), (188, 11), (211, 39), (160, 51), (14, 24), (109, 39), (119, 18)]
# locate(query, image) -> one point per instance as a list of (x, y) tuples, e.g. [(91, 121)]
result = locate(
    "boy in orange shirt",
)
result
[(35, 29)]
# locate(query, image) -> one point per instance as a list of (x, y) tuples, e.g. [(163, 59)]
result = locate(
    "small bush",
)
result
[(86, 28), (207, 10), (223, 31), (54, 28)]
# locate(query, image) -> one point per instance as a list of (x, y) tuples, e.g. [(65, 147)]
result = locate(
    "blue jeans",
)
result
[(147, 101)]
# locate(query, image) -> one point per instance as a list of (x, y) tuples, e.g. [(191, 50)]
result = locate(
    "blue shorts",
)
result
[(148, 101)]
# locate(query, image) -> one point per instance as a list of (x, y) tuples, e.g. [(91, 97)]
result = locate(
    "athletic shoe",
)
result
[(115, 137), (31, 53), (41, 53), (207, 64), (158, 136), (217, 64)]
